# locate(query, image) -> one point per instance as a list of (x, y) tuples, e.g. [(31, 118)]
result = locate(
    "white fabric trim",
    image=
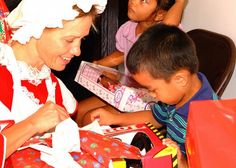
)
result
[(68, 99), (31, 17)]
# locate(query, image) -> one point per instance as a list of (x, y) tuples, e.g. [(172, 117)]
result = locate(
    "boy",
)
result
[(142, 15), (164, 61)]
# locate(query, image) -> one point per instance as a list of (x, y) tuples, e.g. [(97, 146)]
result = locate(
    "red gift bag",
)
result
[(211, 134)]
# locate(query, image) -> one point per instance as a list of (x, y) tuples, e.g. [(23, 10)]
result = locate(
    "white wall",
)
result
[(214, 15)]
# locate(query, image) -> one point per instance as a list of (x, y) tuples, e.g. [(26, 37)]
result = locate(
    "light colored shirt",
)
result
[(125, 38)]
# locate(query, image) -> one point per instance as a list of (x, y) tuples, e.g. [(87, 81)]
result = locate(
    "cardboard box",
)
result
[(148, 139), (211, 135), (113, 87)]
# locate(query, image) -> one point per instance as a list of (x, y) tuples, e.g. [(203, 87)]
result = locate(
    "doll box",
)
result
[(113, 87), (148, 139)]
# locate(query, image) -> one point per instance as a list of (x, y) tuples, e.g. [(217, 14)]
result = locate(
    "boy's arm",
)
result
[(174, 14), (110, 116), (114, 59), (129, 118)]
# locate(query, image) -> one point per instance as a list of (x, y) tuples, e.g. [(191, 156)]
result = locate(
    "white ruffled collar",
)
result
[(33, 75)]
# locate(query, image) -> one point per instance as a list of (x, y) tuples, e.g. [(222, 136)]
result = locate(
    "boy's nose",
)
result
[(153, 94)]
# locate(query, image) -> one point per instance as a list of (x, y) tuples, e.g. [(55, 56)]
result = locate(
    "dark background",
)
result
[(95, 46)]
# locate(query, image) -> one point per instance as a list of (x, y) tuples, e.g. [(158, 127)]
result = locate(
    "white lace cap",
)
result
[(30, 17)]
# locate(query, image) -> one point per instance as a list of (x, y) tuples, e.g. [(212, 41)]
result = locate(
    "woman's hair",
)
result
[(162, 50), (93, 12)]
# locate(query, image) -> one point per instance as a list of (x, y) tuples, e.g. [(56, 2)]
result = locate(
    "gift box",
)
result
[(115, 88), (211, 135), (148, 139)]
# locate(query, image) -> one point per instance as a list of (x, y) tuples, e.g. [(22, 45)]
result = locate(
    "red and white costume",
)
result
[(26, 89)]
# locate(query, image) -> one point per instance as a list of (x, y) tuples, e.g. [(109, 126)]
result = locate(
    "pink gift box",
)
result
[(115, 88)]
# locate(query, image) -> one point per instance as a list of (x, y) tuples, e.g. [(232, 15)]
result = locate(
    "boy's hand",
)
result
[(182, 162), (104, 117)]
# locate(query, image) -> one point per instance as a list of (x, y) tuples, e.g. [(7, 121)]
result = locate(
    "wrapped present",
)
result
[(210, 139), (5, 31), (96, 151), (115, 88), (148, 139)]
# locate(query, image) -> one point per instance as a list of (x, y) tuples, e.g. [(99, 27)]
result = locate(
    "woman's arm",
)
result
[(47, 117)]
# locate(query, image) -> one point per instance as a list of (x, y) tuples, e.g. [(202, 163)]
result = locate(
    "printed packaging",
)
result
[(5, 31), (148, 139), (113, 87)]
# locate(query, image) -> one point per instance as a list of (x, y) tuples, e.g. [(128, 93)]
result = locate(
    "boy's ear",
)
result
[(181, 77), (160, 15)]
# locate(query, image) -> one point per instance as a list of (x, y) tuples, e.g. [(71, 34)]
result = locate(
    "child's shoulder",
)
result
[(128, 25), (206, 92), (127, 29)]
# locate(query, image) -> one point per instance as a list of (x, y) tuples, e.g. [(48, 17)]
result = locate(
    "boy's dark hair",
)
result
[(165, 4), (161, 51)]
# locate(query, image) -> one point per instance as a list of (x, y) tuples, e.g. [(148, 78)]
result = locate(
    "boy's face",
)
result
[(142, 10), (167, 92)]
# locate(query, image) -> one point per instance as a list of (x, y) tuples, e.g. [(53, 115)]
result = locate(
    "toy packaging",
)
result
[(115, 88), (148, 139)]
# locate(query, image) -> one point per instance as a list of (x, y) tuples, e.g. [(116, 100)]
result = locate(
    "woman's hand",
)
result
[(48, 116)]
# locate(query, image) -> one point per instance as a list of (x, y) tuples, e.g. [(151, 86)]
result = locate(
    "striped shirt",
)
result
[(175, 120)]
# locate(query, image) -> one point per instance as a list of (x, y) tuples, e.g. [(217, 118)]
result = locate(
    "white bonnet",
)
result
[(30, 17)]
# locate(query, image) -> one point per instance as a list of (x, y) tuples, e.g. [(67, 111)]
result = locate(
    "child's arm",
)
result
[(174, 14), (114, 59), (108, 116)]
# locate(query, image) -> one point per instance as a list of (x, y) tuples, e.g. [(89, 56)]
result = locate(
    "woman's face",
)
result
[(57, 47)]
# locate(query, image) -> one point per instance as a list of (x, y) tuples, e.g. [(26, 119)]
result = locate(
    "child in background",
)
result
[(142, 15), (164, 61)]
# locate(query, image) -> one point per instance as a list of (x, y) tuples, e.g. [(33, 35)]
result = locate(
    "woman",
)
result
[(46, 35)]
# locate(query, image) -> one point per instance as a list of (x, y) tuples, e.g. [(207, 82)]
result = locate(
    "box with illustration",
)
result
[(115, 88), (148, 139)]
